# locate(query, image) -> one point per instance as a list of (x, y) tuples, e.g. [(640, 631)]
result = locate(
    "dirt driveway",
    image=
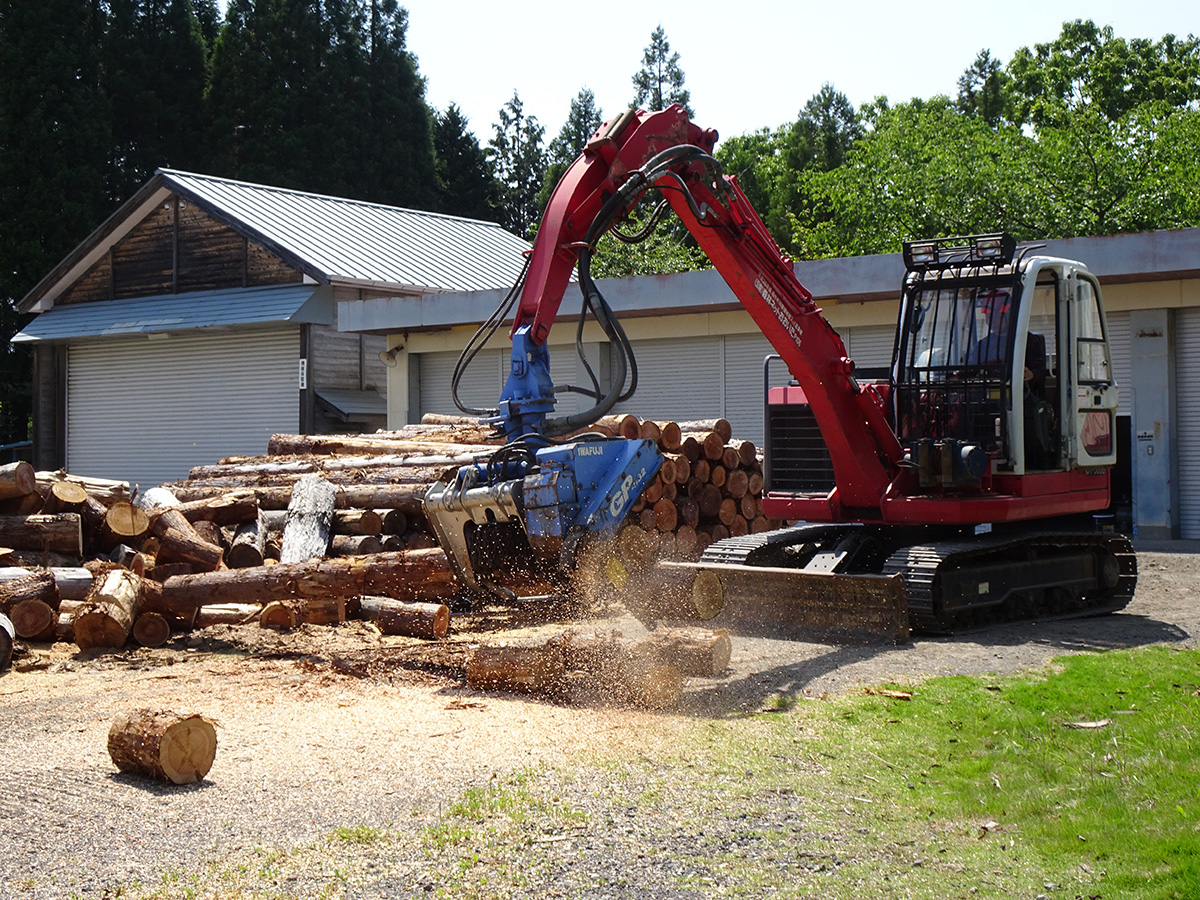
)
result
[(329, 729)]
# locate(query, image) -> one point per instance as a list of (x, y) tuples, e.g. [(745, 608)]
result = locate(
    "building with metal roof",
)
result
[(202, 317)]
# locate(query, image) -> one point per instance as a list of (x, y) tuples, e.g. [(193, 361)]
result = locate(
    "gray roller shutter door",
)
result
[(146, 411), (678, 379), (1187, 413), (480, 386), (1118, 346)]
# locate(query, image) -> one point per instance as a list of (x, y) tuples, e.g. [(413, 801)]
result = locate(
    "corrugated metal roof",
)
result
[(177, 312), (339, 239)]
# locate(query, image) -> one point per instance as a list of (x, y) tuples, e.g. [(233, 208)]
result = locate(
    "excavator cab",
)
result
[(1001, 364)]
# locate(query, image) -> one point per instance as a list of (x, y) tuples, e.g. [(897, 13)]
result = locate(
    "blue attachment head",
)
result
[(528, 396)]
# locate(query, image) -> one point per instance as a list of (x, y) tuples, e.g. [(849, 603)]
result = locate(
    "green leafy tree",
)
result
[(667, 249), (466, 182), (582, 121), (659, 82), (519, 157), (984, 90), (1088, 66)]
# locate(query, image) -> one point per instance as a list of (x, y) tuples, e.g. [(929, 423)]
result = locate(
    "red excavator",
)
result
[(960, 486)]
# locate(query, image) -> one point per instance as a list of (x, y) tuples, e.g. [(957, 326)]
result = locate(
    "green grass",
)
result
[(1081, 780)]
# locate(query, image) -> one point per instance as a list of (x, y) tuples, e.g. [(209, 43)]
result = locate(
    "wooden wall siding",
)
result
[(158, 258), (346, 360)]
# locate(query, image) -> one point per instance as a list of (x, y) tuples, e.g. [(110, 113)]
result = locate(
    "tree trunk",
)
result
[(310, 515), (61, 532), (163, 745), (39, 586), (354, 545), (7, 635), (720, 426), (345, 445), (17, 479), (64, 496), (232, 508), (357, 522), (536, 670), (151, 629), (227, 613), (413, 619), (124, 523), (73, 582), (249, 545), (408, 574), (107, 616), (694, 651), (181, 543), (34, 620)]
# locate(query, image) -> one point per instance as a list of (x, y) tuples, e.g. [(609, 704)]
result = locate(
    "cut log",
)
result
[(17, 479), (180, 542), (347, 445), (720, 426), (124, 523), (154, 498), (737, 484), (248, 547), (358, 521), (689, 511), (163, 745), (26, 505), (39, 586), (61, 532), (310, 515), (73, 582), (281, 614), (394, 521), (536, 669), (411, 619), (151, 629), (694, 651), (64, 496), (179, 617), (354, 545), (670, 436), (107, 615), (666, 516), (34, 620), (709, 498), (409, 574), (225, 613), (210, 532), (7, 636), (232, 508)]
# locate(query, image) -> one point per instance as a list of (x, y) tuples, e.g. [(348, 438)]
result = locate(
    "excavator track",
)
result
[(1044, 574), (848, 574)]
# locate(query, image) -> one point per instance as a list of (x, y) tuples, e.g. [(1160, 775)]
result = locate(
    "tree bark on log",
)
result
[(62, 533), (343, 445), (694, 651), (407, 574), (354, 545), (151, 629), (107, 615), (411, 619), (357, 521), (310, 516), (39, 585), (64, 496), (232, 508), (227, 613), (163, 745), (34, 620), (17, 479), (720, 426), (248, 547), (537, 670), (124, 523), (180, 541), (7, 636), (73, 582)]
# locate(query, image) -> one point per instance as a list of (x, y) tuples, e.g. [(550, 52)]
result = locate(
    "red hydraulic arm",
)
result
[(863, 447)]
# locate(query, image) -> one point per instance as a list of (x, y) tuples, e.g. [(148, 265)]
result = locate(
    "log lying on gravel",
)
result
[(163, 745), (181, 542), (404, 574), (412, 619), (694, 651), (151, 629), (537, 670), (31, 604)]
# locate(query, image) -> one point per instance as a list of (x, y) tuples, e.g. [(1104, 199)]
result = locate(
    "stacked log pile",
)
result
[(709, 487)]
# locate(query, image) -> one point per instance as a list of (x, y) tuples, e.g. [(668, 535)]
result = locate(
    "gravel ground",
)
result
[(327, 729)]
